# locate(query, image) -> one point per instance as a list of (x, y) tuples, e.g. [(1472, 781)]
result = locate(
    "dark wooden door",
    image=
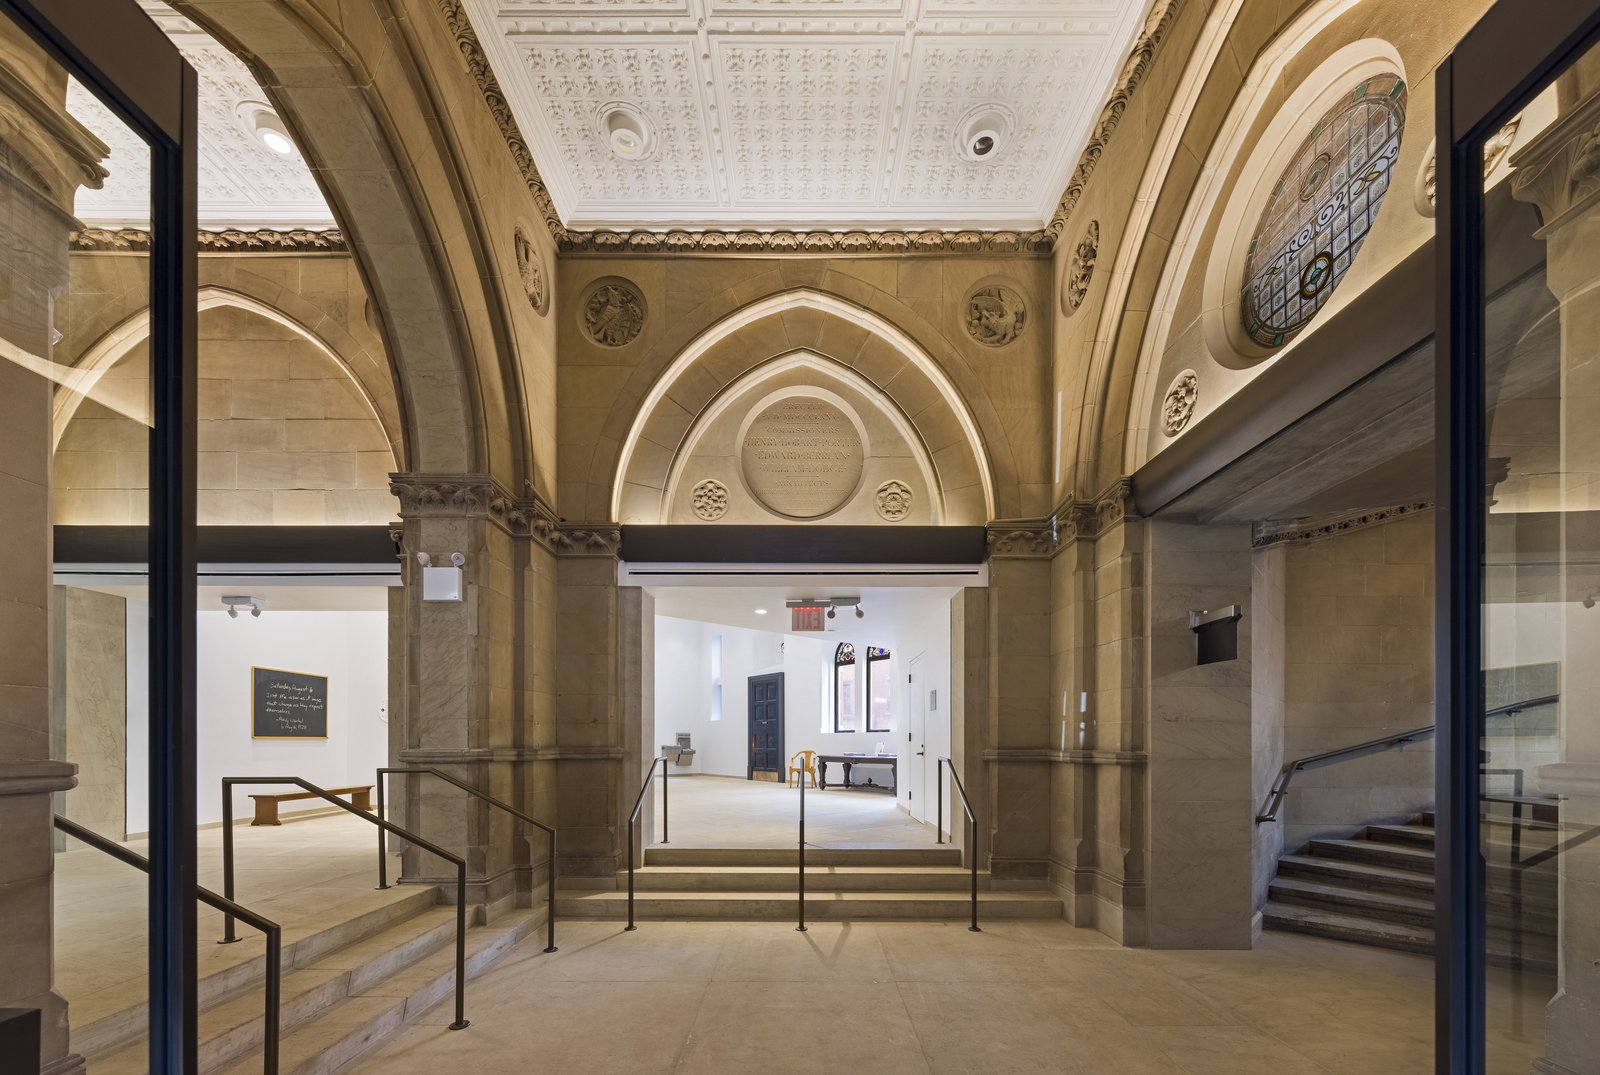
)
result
[(766, 725)]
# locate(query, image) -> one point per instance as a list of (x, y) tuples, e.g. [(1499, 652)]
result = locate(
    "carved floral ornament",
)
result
[(530, 267), (613, 313), (1080, 270), (709, 499), (1178, 407), (995, 315), (1494, 151), (893, 500)]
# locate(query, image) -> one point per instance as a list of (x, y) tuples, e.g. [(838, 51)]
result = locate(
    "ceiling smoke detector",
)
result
[(626, 130), (982, 132)]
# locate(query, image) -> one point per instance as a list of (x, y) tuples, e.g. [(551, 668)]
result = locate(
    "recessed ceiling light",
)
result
[(626, 130), (263, 124), (761, 612), (981, 134)]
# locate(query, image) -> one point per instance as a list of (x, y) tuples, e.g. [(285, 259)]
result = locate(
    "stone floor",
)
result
[(304, 874), (932, 997), (725, 811)]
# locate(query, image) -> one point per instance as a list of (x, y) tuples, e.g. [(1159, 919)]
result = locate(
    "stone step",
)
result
[(744, 906), (367, 1017), (1357, 929), (111, 1032), (818, 879), (1393, 856), (1409, 835), (934, 855), (1367, 903), (1339, 871)]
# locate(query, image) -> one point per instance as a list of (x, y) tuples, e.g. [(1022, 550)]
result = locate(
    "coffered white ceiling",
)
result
[(806, 113), (242, 183)]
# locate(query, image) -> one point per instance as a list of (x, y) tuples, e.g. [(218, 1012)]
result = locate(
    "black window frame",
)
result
[(876, 655), (840, 662)]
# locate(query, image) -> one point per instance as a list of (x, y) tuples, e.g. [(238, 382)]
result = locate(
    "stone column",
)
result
[(44, 157)]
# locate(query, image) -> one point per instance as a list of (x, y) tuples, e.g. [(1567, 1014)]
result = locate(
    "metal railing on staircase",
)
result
[(427, 770), (972, 828), (272, 987), (228, 784), (633, 818)]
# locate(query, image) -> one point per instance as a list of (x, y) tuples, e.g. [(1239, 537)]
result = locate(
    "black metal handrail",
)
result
[(801, 889), (649, 777), (228, 783), (272, 986), (1280, 786), (428, 770), (972, 828)]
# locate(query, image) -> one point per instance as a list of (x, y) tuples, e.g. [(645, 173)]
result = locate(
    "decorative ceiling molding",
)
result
[(1266, 534), (963, 17), (1134, 70), (225, 241)]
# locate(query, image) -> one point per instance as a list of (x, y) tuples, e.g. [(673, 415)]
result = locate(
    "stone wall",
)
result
[(91, 705)]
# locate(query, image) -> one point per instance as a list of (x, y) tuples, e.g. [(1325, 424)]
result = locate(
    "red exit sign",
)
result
[(808, 618)]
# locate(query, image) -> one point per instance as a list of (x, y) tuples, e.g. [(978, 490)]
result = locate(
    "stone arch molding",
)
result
[(80, 381), (911, 395)]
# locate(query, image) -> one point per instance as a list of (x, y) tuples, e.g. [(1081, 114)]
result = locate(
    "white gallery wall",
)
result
[(350, 648), (685, 678)]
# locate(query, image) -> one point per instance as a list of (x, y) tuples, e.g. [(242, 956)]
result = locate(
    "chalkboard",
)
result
[(288, 705)]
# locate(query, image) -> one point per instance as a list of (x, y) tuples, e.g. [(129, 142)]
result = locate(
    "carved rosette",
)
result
[(1178, 407), (1080, 270), (893, 500), (709, 500), (613, 314), (530, 267), (995, 315)]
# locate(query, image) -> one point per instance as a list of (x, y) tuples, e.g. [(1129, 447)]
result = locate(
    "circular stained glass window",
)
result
[(1321, 210)]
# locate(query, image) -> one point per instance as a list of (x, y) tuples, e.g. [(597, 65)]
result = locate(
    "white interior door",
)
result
[(916, 746)]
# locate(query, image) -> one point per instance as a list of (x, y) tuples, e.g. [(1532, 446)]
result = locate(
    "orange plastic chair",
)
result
[(807, 767)]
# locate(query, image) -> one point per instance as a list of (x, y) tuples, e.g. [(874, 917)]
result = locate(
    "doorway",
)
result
[(766, 726)]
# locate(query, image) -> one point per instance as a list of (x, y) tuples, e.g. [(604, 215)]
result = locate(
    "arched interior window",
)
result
[(846, 709), (880, 676)]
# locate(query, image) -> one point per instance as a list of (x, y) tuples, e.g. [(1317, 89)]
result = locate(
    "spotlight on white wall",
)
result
[(234, 602), (859, 614)]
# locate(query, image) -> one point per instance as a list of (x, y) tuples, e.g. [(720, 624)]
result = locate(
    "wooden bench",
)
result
[(267, 805)]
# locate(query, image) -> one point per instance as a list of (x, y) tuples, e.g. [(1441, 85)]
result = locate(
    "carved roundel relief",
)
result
[(995, 314), (802, 456), (1080, 269), (709, 499), (893, 500), (1321, 209), (1178, 407), (1495, 149), (613, 313), (530, 267)]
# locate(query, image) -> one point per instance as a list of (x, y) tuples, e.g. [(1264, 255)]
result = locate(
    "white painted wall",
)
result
[(350, 648), (683, 691)]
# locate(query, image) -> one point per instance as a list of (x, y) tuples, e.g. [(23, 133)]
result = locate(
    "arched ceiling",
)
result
[(784, 113)]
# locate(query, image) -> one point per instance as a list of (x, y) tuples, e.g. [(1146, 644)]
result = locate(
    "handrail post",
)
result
[(938, 810), (666, 771), (630, 926), (383, 847), (972, 840), (801, 928), (550, 918), (461, 948), (272, 1030), (228, 934)]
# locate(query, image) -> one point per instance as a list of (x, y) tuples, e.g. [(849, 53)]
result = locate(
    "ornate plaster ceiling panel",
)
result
[(242, 183), (806, 113)]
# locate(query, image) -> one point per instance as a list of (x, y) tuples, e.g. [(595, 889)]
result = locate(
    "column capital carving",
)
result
[(1076, 518), (1559, 169), (458, 496), (1022, 539)]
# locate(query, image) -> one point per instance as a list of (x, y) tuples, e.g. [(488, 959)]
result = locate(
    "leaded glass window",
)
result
[(845, 706), (880, 677), (1321, 210)]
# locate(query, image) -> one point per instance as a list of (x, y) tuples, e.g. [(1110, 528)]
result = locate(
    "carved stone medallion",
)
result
[(613, 314), (802, 457), (995, 315), (1494, 151), (1080, 270), (1179, 405), (709, 499), (530, 267), (894, 500)]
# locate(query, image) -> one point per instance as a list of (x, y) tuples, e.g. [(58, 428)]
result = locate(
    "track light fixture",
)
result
[(234, 602)]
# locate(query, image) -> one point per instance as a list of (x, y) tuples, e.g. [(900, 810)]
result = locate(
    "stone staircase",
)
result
[(345, 988), (1376, 888), (735, 884)]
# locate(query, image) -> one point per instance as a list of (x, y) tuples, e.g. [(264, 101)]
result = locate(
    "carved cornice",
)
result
[(225, 241), (1078, 518), (470, 495), (1133, 74), (1022, 539), (37, 777), (1265, 535)]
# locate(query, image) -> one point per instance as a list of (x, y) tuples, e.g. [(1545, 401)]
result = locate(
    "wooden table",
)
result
[(851, 760)]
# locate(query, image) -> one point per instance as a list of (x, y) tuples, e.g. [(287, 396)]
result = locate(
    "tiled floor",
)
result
[(303, 874), (932, 997), (724, 811)]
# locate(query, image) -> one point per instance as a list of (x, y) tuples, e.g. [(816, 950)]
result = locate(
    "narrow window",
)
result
[(880, 675), (844, 689), (716, 677)]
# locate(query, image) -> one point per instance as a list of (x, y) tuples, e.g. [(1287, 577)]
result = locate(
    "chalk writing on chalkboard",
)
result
[(288, 705)]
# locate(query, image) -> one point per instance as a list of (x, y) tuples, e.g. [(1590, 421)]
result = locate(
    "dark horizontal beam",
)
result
[(232, 545), (803, 544)]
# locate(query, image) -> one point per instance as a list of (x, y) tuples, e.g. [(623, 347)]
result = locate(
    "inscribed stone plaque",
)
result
[(802, 457)]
